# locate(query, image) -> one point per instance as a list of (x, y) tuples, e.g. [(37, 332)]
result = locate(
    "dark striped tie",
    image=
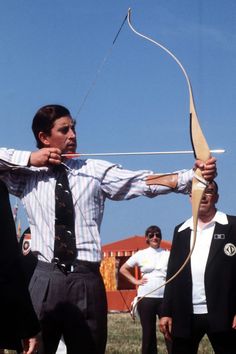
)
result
[(65, 244)]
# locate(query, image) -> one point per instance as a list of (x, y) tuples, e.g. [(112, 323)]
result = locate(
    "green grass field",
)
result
[(124, 337)]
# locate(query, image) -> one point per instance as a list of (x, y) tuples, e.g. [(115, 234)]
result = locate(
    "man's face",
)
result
[(209, 200), (62, 135)]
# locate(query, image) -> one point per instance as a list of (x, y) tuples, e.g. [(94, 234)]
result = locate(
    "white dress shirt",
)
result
[(199, 259), (91, 182)]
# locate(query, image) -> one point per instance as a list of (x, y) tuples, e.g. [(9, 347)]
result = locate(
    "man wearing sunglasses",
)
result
[(202, 298)]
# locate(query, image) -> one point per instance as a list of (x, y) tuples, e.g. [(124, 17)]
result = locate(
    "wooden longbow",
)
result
[(200, 148)]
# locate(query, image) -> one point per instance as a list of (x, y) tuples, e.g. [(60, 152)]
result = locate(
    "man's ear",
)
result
[(43, 137)]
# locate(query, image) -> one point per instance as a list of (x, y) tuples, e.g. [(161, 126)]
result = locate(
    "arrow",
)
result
[(175, 152)]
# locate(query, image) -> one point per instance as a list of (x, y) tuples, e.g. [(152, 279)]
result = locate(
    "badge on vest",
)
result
[(230, 249), (219, 236), (26, 245)]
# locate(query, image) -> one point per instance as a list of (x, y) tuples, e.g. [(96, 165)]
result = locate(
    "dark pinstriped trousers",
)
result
[(72, 305)]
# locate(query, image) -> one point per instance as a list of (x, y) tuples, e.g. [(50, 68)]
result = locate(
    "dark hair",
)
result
[(153, 229), (214, 183), (44, 119), (216, 186)]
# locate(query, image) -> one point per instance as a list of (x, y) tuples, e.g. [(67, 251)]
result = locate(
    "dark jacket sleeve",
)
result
[(17, 313), (177, 301), (220, 276)]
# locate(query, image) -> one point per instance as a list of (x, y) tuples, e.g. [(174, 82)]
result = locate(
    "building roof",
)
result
[(131, 244)]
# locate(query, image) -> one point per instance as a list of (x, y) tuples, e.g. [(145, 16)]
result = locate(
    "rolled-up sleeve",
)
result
[(13, 158), (184, 181), (12, 164)]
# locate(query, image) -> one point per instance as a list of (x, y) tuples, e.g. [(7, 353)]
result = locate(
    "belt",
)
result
[(78, 266)]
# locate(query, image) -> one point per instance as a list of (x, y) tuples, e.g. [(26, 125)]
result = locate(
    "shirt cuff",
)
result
[(21, 158), (15, 157), (185, 181)]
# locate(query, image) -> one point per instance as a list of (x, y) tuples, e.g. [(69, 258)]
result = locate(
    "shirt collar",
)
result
[(220, 218)]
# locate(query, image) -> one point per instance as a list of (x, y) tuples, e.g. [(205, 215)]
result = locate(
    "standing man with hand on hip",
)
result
[(202, 298), (66, 288)]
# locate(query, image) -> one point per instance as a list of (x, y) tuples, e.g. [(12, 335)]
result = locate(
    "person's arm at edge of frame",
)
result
[(30, 345), (234, 322)]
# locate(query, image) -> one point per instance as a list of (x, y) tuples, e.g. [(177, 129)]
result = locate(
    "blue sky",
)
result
[(50, 52)]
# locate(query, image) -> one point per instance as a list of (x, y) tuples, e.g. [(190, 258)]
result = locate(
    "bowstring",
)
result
[(100, 67)]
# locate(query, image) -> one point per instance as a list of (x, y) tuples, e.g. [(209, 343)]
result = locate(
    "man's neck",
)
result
[(206, 218)]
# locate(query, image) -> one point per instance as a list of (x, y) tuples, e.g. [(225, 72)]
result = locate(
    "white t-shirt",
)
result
[(153, 266)]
